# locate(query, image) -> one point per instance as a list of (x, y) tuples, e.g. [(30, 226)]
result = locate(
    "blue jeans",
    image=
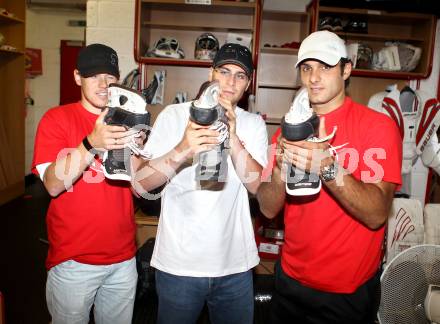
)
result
[(230, 299), (72, 288)]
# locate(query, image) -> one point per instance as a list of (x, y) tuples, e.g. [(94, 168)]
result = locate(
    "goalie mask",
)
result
[(206, 47), (126, 107), (360, 54), (167, 47)]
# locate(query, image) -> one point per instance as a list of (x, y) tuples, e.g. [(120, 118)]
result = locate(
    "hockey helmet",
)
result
[(167, 47), (206, 47), (364, 56)]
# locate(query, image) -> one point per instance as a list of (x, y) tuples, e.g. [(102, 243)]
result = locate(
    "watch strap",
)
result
[(87, 145)]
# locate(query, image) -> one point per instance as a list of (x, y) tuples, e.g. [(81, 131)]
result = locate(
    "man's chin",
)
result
[(230, 97), (101, 104), (316, 99)]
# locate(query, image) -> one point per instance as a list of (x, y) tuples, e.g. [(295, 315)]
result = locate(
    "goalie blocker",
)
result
[(126, 107)]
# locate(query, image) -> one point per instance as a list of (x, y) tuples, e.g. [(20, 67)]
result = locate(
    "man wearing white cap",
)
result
[(329, 269)]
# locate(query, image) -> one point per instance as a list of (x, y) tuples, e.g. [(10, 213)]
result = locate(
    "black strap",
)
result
[(87, 145)]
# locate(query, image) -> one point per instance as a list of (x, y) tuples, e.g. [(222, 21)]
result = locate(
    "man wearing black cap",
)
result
[(205, 247), (90, 220)]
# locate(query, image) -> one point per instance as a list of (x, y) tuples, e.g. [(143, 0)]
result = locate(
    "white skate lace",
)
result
[(137, 149), (328, 137), (332, 149), (222, 128)]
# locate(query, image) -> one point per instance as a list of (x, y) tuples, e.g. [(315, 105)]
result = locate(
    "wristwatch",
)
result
[(328, 172)]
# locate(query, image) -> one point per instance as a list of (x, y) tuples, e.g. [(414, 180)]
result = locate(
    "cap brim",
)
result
[(230, 61), (326, 58), (89, 72)]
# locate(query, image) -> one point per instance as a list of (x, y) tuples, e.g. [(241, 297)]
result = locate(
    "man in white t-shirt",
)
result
[(205, 247)]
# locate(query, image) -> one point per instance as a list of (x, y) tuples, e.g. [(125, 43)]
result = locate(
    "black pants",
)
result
[(294, 303)]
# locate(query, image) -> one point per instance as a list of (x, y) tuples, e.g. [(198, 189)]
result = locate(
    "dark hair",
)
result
[(343, 62)]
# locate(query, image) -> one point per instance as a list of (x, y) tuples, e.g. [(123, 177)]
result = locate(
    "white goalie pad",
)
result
[(431, 154), (432, 223), (429, 121), (417, 123), (154, 92), (405, 226)]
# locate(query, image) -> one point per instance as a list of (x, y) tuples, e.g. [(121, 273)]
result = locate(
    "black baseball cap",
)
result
[(232, 53), (97, 58)]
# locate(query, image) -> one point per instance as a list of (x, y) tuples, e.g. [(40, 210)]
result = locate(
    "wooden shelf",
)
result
[(278, 86), (6, 19), (189, 26), (175, 62), (12, 83), (231, 7), (369, 12), (277, 75), (9, 51), (185, 22), (417, 29), (388, 74), (279, 50), (213, 3), (379, 37), (283, 15)]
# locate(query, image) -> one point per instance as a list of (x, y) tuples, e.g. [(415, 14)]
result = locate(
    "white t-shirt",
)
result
[(205, 233)]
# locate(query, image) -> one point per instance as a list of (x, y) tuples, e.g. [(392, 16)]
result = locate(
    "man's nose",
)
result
[(103, 82), (232, 79), (315, 75)]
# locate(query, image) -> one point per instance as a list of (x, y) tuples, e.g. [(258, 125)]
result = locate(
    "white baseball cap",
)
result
[(324, 46)]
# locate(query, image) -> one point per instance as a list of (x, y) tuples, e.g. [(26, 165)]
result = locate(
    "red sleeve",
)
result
[(267, 172), (383, 153), (51, 138)]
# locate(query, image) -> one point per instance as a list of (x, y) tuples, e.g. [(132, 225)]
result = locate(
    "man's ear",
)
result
[(248, 84), (347, 70), (77, 77), (211, 71)]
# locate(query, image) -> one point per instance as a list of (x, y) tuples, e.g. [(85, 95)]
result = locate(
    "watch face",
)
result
[(328, 172)]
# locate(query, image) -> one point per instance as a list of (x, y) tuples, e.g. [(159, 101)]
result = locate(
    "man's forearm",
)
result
[(271, 194), (368, 202), (247, 169), (152, 174), (64, 172)]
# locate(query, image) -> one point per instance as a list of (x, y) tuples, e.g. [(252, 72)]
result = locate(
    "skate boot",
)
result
[(154, 92), (127, 108), (299, 182), (205, 110)]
